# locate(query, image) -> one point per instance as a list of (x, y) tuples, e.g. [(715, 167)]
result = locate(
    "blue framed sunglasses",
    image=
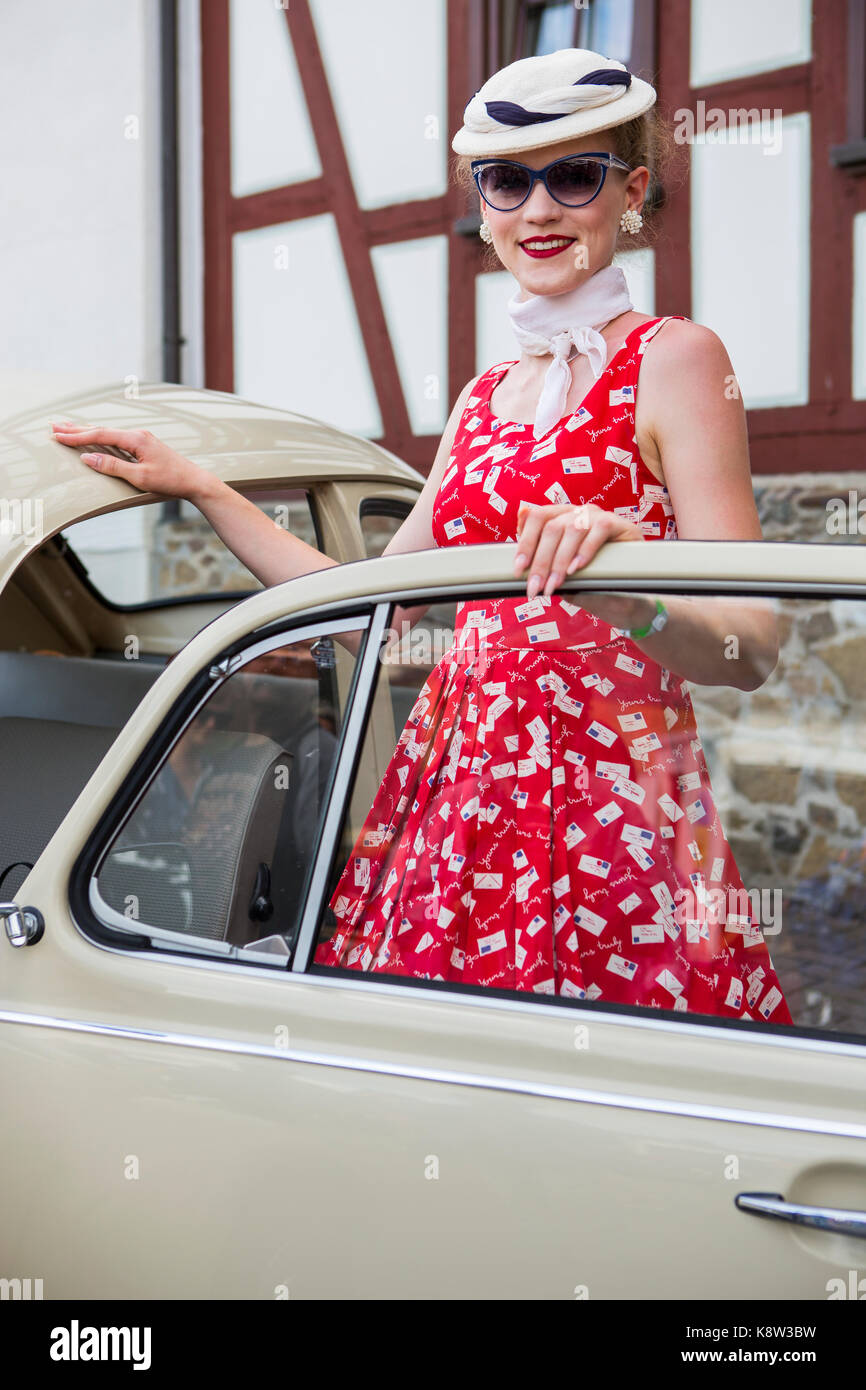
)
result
[(574, 180)]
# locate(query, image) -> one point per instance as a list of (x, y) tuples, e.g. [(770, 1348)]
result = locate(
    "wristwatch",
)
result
[(322, 652), (656, 625)]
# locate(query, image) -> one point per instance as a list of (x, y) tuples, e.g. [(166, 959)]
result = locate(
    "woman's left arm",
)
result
[(690, 408), (689, 404)]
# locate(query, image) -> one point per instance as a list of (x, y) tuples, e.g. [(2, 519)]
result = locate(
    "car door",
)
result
[(193, 1112)]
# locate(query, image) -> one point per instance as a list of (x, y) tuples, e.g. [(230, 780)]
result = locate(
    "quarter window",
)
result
[(215, 855)]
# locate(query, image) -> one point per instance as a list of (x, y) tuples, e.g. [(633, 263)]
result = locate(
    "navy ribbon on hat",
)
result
[(510, 113)]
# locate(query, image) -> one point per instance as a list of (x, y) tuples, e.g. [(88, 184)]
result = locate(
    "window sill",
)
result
[(851, 156)]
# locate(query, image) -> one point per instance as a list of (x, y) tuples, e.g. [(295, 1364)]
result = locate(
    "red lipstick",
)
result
[(533, 246)]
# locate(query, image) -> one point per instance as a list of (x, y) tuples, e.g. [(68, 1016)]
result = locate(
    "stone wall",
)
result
[(788, 766), (187, 557), (793, 507)]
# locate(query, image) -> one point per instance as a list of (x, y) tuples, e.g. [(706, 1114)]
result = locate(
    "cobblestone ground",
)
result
[(820, 957)]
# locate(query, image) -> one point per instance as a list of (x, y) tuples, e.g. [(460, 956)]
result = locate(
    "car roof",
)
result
[(44, 487)]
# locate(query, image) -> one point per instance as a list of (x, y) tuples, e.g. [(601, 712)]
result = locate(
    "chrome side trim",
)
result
[(611, 1099), (538, 1008), (350, 751), (541, 1009)]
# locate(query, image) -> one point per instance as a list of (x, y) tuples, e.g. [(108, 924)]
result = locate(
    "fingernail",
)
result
[(552, 582), (578, 561), (519, 561), (533, 586), (572, 565), (94, 459)]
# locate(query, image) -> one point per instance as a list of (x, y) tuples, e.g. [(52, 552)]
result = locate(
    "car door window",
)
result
[(562, 816), (215, 854)]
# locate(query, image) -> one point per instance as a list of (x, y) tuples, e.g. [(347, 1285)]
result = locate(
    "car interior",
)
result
[(63, 705), (219, 845), (264, 748)]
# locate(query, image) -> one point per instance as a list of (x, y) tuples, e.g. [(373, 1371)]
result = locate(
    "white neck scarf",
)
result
[(556, 323)]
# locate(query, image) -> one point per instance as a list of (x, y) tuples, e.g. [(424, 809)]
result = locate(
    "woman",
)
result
[(546, 822)]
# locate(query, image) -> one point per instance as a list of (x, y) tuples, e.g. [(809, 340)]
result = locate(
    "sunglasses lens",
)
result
[(503, 185), (575, 181)]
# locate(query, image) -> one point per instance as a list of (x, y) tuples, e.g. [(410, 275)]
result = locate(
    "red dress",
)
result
[(546, 821)]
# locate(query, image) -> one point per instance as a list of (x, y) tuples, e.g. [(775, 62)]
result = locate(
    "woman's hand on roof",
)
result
[(150, 466)]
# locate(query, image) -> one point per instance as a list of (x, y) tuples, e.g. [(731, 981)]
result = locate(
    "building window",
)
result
[(852, 154), (608, 28), (736, 261), (741, 39), (617, 28), (550, 27)]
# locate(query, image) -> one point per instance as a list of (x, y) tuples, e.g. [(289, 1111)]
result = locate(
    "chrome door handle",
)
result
[(24, 925), (773, 1204)]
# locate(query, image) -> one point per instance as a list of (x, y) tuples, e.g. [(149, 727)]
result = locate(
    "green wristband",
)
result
[(656, 625)]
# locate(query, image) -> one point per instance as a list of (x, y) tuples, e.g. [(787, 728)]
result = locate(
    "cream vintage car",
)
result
[(193, 1109)]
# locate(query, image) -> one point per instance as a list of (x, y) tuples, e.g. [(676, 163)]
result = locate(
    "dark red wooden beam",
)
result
[(290, 203), (789, 89), (464, 256), (673, 257), (216, 180), (351, 229)]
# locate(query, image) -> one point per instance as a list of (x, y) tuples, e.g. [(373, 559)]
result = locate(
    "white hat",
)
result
[(554, 96)]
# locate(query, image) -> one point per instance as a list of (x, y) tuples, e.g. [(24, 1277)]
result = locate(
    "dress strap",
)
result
[(649, 333), (639, 340), (487, 383)]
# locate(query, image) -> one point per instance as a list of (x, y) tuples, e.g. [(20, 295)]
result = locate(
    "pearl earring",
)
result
[(485, 233), (631, 221)]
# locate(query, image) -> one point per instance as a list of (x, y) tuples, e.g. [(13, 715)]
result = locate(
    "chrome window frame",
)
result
[(379, 607), (302, 964), (164, 739)]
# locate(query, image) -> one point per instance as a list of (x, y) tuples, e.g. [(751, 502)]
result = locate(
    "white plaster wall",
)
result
[(80, 167)]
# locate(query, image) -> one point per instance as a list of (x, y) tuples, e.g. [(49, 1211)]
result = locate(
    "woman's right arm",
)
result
[(416, 533), (270, 552)]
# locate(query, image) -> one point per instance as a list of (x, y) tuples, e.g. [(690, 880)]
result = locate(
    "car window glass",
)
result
[(219, 846), (558, 814), (381, 519), (167, 550)]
